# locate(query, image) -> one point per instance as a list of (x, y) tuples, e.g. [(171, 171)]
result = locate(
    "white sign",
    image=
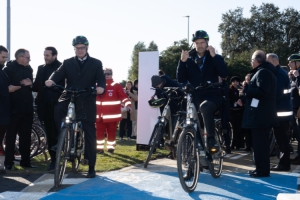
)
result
[(147, 116)]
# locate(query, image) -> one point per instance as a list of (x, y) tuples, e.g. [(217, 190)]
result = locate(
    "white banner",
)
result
[(147, 116)]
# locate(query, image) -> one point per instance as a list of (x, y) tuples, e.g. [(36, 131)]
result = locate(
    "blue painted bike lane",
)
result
[(161, 182)]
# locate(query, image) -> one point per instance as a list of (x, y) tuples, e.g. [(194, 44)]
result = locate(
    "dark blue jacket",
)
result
[(294, 81), (283, 96), (213, 67), (22, 99), (4, 98), (262, 87)]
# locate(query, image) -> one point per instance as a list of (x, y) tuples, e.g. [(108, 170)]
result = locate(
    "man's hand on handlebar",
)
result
[(100, 90), (49, 83)]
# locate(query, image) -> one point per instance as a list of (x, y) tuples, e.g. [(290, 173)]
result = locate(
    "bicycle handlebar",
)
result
[(75, 91)]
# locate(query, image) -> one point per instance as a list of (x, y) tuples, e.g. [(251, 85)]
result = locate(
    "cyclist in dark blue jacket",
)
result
[(284, 114), (199, 67)]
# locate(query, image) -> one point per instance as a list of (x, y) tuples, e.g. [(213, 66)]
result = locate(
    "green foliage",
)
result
[(267, 29), (123, 83), (133, 72), (169, 58)]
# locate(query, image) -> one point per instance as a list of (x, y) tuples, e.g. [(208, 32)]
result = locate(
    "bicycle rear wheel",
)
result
[(187, 160), (215, 161), (77, 157), (62, 153), (34, 145), (42, 136), (157, 132)]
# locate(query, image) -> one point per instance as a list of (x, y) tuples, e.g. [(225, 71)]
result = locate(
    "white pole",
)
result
[(8, 28)]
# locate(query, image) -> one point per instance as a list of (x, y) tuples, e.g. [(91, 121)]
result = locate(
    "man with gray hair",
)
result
[(20, 74), (284, 114), (260, 111)]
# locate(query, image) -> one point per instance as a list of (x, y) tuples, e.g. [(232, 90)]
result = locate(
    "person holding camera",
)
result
[(201, 66), (294, 64)]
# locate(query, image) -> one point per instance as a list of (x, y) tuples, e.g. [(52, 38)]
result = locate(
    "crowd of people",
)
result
[(267, 99)]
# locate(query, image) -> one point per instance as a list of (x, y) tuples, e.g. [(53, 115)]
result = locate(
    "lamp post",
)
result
[(8, 28), (188, 38)]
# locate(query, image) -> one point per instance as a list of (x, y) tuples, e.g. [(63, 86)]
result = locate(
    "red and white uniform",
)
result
[(109, 113)]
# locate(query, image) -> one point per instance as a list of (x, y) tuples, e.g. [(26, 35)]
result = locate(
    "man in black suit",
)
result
[(5, 89), (260, 111), (47, 98), (21, 112), (81, 71)]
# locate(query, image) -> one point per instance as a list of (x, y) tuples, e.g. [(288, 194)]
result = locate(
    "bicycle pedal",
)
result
[(84, 161)]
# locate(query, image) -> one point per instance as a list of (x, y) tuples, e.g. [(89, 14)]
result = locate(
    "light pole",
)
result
[(8, 28), (188, 38)]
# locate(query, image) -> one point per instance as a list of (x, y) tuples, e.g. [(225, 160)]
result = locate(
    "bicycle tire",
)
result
[(188, 164), (80, 145), (34, 145), (215, 161), (42, 136), (157, 131), (62, 152)]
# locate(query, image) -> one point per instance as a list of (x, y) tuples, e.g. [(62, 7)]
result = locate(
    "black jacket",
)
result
[(21, 100), (174, 104), (46, 94), (262, 87), (283, 96), (90, 74), (213, 67), (4, 98)]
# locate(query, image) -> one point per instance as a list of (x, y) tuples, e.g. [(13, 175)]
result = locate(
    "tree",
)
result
[(267, 29), (133, 72), (123, 83), (169, 58)]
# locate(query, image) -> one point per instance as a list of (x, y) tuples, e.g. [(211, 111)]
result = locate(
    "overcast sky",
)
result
[(114, 27)]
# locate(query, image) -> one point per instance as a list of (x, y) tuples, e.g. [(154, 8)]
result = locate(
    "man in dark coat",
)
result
[(5, 89), (284, 114), (21, 114), (47, 98), (199, 67), (82, 72), (260, 110)]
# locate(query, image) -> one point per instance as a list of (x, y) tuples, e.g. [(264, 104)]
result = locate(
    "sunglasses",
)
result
[(108, 74)]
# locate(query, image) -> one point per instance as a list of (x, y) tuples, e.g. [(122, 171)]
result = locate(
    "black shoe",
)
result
[(296, 158), (259, 175), (53, 148), (28, 166), (212, 145), (252, 171), (91, 174), (296, 162), (9, 167), (280, 168), (111, 151), (100, 151), (248, 149), (51, 167)]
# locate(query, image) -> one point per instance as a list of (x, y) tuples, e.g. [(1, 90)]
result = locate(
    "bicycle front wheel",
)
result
[(215, 161), (62, 153), (187, 160), (79, 150), (157, 132)]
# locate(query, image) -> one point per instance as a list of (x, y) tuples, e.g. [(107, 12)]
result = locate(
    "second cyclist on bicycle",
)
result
[(201, 66)]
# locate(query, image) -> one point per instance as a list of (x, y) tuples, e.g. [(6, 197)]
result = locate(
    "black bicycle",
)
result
[(193, 153), (163, 127), (71, 144)]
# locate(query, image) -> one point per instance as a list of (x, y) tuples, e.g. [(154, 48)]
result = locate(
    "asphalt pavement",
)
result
[(160, 181)]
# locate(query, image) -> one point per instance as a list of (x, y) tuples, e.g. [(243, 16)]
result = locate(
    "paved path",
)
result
[(160, 181)]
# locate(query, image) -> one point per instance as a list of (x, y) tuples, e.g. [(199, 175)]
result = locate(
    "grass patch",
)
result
[(125, 155)]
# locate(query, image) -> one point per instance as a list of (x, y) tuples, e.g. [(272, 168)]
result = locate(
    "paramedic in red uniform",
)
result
[(109, 112)]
